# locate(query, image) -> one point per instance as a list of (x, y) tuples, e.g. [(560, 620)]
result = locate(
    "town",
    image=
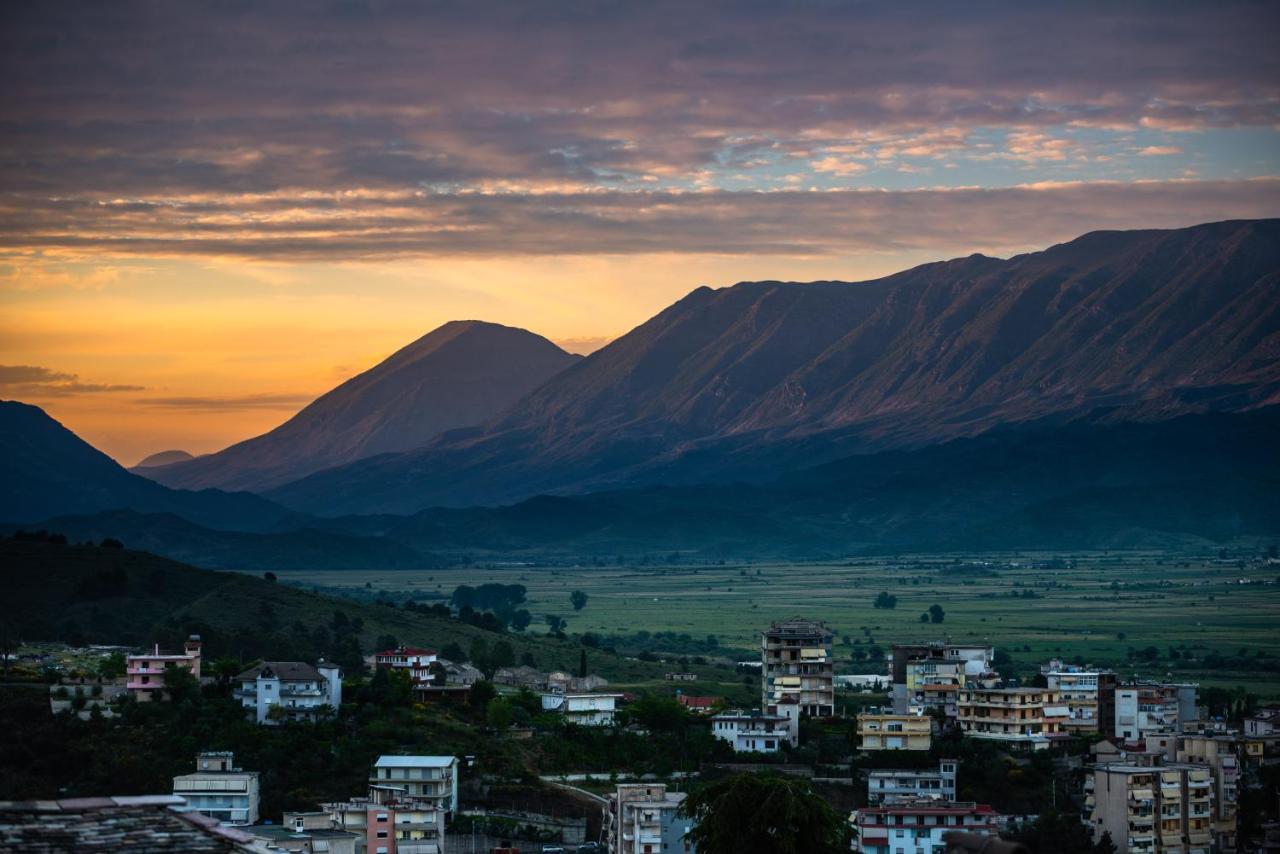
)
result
[(938, 753)]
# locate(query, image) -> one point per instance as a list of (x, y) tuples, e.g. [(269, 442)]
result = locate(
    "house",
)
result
[(1265, 721), (411, 659), (589, 709), (797, 665), (409, 803), (758, 731), (699, 705), (643, 818), (145, 671), (1088, 692), (521, 677), (133, 823), (880, 730), (1142, 708), (929, 676), (275, 691), (890, 785), (1030, 717), (560, 682), (220, 790), (918, 825), (1158, 809), (307, 833)]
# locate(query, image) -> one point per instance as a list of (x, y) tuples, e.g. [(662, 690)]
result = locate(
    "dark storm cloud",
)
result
[(179, 105)]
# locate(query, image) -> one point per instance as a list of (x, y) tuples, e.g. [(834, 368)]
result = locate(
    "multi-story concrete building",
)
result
[(918, 826), (1087, 692), (929, 676), (583, 709), (1031, 717), (797, 666), (1264, 722), (889, 731), (1161, 809), (1220, 754), (414, 661), (276, 691), (643, 818), (220, 790), (145, 671), (306, 833), (1142, 708), (890, 785), (758, 731), (410, 800)]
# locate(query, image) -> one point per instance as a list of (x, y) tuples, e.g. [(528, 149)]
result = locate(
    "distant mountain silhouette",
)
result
[(164, 458), (459, 375), (46, 470), (760, 378)]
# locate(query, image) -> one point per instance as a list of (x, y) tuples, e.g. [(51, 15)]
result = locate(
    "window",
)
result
[(382, 834)]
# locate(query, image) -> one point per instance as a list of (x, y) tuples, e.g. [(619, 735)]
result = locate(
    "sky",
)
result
[(210, 213)]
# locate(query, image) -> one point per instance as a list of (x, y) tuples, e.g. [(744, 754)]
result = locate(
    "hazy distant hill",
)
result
[(164, 458), (456, 376), (763, 377), (46, 470)]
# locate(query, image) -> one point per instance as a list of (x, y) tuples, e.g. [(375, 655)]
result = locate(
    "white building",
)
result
[(643, 818), (408, 806), (583, 709), (420, 778), (415, 661), (220, 790), (888, 786), (918, 827), (1142, 708), (757, 731), (289, 690)]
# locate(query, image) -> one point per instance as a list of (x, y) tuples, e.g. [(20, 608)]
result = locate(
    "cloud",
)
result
[(245, 402), (1157, 150), (304, 227), (38, 382)]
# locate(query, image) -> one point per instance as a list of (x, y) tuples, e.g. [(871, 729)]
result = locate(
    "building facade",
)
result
[(918, 826), (758, 731), (891, 731), (408, 806), (1087, 692), (276, 691), (1030, 717), (929, 676), (1142, 708), (414, 661), (890, 785), (1152, 809), (797, 666), (145, 671), (583, 709), (220, 790), (643, 818)]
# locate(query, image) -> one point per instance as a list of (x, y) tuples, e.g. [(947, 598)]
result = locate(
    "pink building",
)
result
[(416, 661), (146, 671)]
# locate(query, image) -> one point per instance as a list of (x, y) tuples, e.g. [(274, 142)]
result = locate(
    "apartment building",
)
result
[(1087, 692), (1220, 754), (892, 785), (306, 833), (145, 671), (411, 659), (929, 676), (797, 666), (1029, 717), (1142, 708), (879, 730), (220, 790), (583, 709), (410, 800), (1161, 809), (918, 826), (643, 818), (276, 691), (1264, 722), (758, 731)]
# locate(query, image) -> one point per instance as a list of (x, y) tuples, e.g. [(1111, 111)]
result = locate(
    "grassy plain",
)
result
[(1095, 606)]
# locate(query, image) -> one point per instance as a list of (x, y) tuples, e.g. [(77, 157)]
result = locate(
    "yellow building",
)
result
[(1026, 716), (886, 731)]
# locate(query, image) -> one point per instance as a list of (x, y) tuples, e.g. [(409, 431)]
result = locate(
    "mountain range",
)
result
[(459, 375), (1121, 389), (753, 380)]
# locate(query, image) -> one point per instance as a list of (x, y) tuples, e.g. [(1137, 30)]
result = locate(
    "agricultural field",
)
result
[(1141, 613)]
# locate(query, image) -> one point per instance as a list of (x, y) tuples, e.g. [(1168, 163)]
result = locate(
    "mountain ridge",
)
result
[(760, 377)]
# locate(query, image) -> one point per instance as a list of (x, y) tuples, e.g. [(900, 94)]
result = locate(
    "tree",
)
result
[(924, 618), (579, 600), (481, 694), (521, 619), (885, 600), (225, 669), (555, 624), (936, 614), (179, 684), (499, 714), (453, 652), (269, 576), (763, 814), (388, 642), (582, 663)]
